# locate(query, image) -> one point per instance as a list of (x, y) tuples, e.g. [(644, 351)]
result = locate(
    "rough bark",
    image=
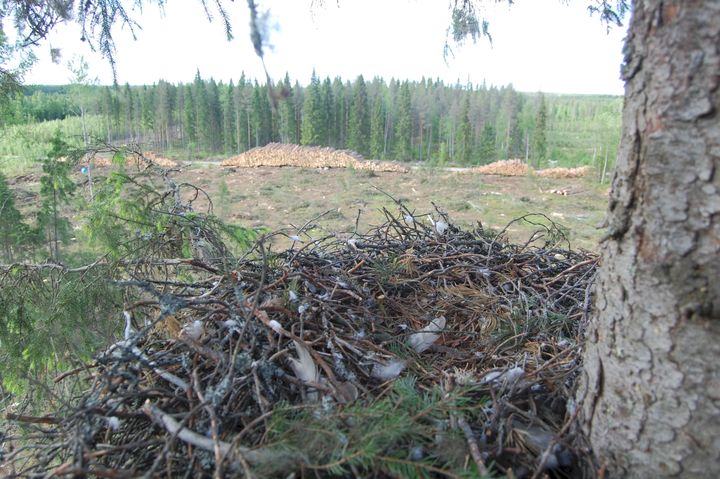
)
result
[(651, 395)]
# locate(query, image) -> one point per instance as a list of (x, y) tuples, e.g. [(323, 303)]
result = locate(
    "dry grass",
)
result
[(280, 154)]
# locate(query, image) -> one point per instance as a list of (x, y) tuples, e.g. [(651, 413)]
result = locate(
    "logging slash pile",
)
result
[(414, 350), (136, 160), (281, 154), (577, 172), (519, 168)]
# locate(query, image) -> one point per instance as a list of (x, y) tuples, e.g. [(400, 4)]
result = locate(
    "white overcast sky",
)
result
[(538, 45)]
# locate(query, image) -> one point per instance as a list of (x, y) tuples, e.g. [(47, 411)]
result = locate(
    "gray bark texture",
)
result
[(651, 393)]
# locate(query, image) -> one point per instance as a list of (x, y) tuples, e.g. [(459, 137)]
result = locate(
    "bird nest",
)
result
[(415, 350)]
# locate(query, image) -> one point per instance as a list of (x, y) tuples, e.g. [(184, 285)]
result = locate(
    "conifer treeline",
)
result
[(423, 120)]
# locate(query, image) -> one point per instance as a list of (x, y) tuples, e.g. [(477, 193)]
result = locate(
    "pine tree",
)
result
[(359, 125)]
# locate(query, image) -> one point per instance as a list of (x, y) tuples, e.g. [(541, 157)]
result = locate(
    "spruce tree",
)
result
[(540, 136), (242, 115), (359, 127), (13, 232), (215, 130), (464, 133), (328, 113), (377, 127), (189, 120), (298, 101), (341, 117), (488, 150), (403, 124), (202, 123), (228, 105), (147, 110), (286, 112), (164, 106), (56, 189), (128, 102), (261, 116), (312, 119), (108, 112)]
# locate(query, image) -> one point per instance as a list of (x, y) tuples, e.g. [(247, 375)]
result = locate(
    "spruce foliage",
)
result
[(14, 233)]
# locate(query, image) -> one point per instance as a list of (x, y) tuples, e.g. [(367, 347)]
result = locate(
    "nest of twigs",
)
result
[(415, 350)]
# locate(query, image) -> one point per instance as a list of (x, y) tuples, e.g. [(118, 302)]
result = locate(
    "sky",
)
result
[(538, 45)]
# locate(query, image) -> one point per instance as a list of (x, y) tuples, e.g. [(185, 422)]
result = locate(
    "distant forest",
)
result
[(425, 121)]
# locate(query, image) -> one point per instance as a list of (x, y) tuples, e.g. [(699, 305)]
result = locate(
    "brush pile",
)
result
[(519, 168), (503, 168), (415, 350), (577, 172), (281, 154), (136, 160)]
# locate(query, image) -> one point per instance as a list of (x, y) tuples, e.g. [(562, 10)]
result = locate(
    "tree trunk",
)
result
[(651, 395)]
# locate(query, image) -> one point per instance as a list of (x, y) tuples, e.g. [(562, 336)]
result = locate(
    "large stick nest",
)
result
[(416, 349)]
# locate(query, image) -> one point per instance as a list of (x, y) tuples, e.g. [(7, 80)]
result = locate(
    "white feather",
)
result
[(441, 227), (193, 330), (389, 370), (129, 331), (423, 339), (503, 376), (275, 326), (113, 422), (304, 367), (230, 323)]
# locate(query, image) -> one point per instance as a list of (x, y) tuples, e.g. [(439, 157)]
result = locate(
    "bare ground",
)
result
[(339, 199), (277, 198)]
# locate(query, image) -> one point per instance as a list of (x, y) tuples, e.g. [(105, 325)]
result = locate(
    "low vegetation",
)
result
[(426, 122)]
